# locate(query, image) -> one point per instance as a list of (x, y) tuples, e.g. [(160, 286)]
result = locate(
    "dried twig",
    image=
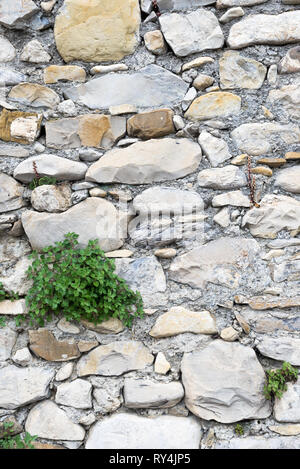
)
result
[(35, 170), (156, 8)]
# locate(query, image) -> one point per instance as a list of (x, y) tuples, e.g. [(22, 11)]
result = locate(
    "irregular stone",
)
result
[(289, 179), (51, 199), (89, 130), (165, 215), (272, 162), (66, 326), (181, 5), (111, 326), (87, 345), (18, 126), (165, 253), (35, 53), (276, 213), (292, 155), (287, 98), (15, 14), (10, 77), (151, 86), (45, 345), (165, 431), (107, 394), (14, 427), (7, 50), (228, 177), (188, 98), (13, 308), (64, 372), (47, 420), (50, 165), (237, 71), (34, 95), (77, 393), (216, 381), (161, 365), (265, 29), (233, 3), (285, 348), (196, 63), (216, 149), (151, 124), (142, 394), (55, 73), (122, 109), (243, 323), (106, 30), (229, 334), (259, 442), (202, 81), (147, 162), (22, 357), (21, 386), (259, 139), (154, 41), (8, 338), (108, 68), (16, 279), (212, 105), (192, 32), (234, 198), (115, 359), (180, 320), (222, 262), (94, 218), (288, 430), (290, 63), (287, 408), (222, 217), (263, 303), (231, 14), (146, 276), (11, 193), (239, 160), (122, 253)]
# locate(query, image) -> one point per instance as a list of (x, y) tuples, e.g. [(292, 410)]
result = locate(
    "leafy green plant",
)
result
[(9, 441), (41, 181), (80, 284), (277, 379), (238, 429)]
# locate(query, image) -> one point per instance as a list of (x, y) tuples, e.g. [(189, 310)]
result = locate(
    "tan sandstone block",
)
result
[(54, 73)]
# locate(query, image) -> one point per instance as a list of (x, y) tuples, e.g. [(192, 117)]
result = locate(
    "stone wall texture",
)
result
[(174, 139)]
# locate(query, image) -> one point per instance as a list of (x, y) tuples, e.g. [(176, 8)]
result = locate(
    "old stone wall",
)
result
[(174, 139)]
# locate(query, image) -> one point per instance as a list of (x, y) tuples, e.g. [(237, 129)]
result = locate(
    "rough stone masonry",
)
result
[(174, 140)]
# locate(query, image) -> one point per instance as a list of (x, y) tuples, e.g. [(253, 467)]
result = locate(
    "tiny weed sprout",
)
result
[(238, 429), (277, 379), (11, 441), (79, 284), (42, 181)]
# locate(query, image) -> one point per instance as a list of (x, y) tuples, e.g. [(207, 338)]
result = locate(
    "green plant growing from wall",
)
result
[(238, 429), (42, 181), (79, 284), (277, 379), (10, 441)]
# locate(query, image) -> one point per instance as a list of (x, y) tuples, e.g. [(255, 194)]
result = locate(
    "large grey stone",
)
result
[(15, 14), (10, 77), (126, 430), (115, 359), (259, 139), (276, 213), (265, 29), (47, 420), (289, 179), (216, 149), (237, 71), (224, 382), (7, 50), (260, 442), (7, 341), (21, 386), (290, 63), (152, 86), (287, 98), (147, 162), (225, 261), (285, 348), (228, 177), (50, 165), (165, 215), (146, 276), (77, 393), (94, 218), (141, 394), (10, 194), (287, 408), (192, 32)]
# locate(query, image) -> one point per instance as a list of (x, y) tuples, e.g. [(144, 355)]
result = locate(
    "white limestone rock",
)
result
[(7, 341), (216, 149), (228, 177), (144, 394), (285, 348), (77, 393), (217, 383)]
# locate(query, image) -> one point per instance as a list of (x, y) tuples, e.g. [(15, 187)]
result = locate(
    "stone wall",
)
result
[(174, 140)]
